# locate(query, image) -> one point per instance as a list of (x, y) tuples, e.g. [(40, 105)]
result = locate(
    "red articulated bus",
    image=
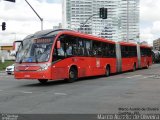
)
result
[(65, 54)]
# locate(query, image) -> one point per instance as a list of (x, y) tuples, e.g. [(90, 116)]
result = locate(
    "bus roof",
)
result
[(47, 33), (29, 36), (87, 36), (50, 32), (127, 43), (145, 46)]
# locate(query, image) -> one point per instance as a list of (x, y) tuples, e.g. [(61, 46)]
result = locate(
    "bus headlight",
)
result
[(44, 66)]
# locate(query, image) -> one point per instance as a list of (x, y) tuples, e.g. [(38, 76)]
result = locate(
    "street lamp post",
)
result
[(41, 19), (127, 21)]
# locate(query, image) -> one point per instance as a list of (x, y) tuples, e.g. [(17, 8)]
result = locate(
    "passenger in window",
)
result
[(75, 50), (61, 52), (69, 49)]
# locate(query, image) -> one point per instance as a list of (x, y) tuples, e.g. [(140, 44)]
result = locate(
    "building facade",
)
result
[(5, 51), (156, 44), (122, 22)]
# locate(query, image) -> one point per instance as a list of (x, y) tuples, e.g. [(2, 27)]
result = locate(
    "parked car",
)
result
[(10, 69)]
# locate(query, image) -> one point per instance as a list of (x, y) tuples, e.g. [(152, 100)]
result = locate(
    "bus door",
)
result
[(58, 61)]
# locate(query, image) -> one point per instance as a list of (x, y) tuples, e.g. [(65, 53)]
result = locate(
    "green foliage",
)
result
[(5, 64)]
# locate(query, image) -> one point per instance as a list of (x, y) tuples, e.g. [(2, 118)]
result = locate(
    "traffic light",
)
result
[(103, 13), (3, 26), (10, 0)]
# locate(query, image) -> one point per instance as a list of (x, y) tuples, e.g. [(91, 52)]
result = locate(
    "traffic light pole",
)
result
[(83, 24), (41, 19), (103, 15), (3, 26)]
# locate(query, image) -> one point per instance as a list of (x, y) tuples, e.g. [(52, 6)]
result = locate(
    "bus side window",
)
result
[(97, 49), (142, 52), (80, 47), (149, 53), (104, 50), (75, 48), (60, 50), (123, 51), (88, 48), (69, 49), (126, 51), (112, 50)]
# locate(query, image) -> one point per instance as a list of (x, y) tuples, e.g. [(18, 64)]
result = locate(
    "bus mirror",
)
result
[(13, 53), (58, 45)]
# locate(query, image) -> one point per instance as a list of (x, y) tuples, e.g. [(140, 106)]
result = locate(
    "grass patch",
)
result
[(5, 64)]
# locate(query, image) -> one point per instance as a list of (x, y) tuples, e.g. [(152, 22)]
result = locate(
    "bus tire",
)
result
[(107, 71), (43, 81), (134, 67), (73, 74)]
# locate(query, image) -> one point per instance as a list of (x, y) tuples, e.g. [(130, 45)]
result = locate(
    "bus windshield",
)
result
[(34, 50)]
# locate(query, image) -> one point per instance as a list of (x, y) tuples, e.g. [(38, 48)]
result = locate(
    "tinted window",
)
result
[(128, 51), (76, 46), (146, 52)]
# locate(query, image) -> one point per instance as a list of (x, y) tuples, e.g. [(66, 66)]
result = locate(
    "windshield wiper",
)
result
[(35, 54), (36, 58), (20, 61)]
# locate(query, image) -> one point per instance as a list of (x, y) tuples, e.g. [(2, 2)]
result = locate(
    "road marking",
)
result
[(144, 77), (134, 76), (26, 92), (60, 93), (155, 76), (151, 76)]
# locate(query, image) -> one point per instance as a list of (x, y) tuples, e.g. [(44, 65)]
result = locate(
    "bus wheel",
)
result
[(107, 71), (43, 81), (134, 67), (73, 74)]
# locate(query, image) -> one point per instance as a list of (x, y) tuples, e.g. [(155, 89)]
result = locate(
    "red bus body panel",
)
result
[(86, 66), (128, 63)]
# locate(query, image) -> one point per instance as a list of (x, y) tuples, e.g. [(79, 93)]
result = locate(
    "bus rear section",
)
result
[(146, 56), (131, 56), (128, 58)]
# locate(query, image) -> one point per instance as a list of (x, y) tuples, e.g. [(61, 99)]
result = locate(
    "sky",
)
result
[(22, 21)]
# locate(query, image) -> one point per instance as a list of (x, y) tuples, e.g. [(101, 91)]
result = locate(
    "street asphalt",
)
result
[(126, 92)]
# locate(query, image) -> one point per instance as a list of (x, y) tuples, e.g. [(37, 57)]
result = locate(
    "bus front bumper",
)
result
[(32, 75)]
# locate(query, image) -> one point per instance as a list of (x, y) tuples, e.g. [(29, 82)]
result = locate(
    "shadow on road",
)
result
[(61, 82)]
